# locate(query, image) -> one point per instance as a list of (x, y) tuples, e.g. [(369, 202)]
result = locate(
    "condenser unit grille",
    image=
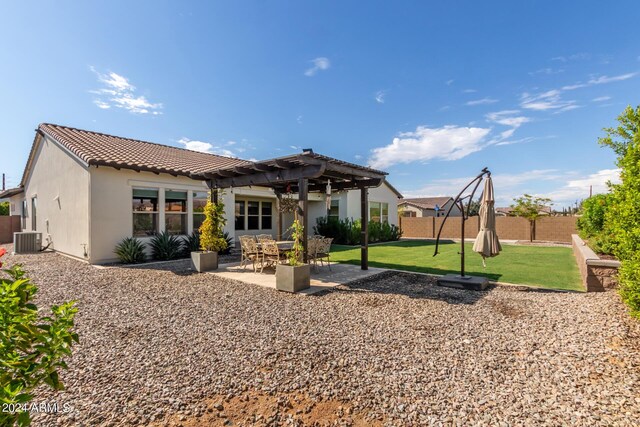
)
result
[(27, 242)]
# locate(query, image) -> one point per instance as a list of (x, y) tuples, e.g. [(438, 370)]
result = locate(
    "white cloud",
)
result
[(506, 186), (573, 57), (578, 188), (508, 118), (299, 119), (483, 101), (549, 100), (118, 92), (469, 91), (445, 143), (444, 108), (600, 80), (546, 71), (449, 82), (205, 147), (380, 96), (319, 64), (552, 99), (601, 99)]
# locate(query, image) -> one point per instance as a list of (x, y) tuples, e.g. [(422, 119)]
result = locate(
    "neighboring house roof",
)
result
[(10, 192), (504, 211), (99, 149), (427, 202)]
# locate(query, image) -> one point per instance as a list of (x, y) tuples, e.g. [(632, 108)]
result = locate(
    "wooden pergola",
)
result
[(302, 174)]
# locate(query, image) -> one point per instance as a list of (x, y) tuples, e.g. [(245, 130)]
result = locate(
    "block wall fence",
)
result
[(8, 226), (550, 229)]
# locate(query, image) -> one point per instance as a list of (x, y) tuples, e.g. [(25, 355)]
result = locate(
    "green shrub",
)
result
[(191, 243), (622, 216), (347, 231), (130, 251), (211, 229), (4, 208), (165, 246), (32, 347), (227, 238), (591, 221)]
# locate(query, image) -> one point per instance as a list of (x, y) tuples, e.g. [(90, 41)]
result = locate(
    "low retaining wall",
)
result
[(597, 274), (8, 226), (550, 229)]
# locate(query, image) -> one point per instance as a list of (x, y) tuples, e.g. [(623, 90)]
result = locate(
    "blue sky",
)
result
[(429, 91)]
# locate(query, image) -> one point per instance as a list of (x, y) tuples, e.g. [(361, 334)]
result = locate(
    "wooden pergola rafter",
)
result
[(302, 174)]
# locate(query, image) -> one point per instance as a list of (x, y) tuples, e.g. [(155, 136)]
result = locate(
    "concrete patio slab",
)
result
[(321, 277)]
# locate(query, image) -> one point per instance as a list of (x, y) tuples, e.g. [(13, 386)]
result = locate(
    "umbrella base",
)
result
[(472, 283)]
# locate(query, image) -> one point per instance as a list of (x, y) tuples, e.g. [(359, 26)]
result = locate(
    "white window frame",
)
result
[(185, 213), (159, 212), (246, 215)]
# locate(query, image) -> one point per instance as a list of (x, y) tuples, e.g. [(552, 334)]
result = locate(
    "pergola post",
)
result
[(303, 216), (278, 199), (364, 235)]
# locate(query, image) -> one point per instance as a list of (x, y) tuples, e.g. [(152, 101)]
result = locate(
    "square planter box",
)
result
[(293, 279), (204, 261)]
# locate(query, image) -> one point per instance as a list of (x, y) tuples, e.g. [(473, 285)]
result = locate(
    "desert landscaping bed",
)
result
[(164, 346)]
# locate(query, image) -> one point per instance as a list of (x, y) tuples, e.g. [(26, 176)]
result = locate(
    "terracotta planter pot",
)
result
[(293, 278), (204, 261)]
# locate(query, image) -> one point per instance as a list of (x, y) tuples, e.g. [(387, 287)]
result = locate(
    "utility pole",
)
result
[(590, 191), (3, 183)]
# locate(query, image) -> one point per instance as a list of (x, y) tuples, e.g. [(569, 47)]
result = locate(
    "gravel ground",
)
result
[(169, 347)]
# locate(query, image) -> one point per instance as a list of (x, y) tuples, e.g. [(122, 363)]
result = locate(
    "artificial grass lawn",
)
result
[(546, 267)]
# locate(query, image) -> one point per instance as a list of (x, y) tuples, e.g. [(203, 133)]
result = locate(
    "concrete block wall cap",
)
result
[(611, 263)]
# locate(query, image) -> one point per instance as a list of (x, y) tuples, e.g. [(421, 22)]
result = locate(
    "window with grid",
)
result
[(240, 214), (334, 211), (199, 201), (253, 215), (175, 212), (145, 212)]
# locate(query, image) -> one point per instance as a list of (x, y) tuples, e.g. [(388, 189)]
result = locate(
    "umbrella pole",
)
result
[(462, 240)]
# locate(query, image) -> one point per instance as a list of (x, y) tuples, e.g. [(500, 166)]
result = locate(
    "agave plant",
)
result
[(130, 251), (165, 246), (229, 241), (191, 243)]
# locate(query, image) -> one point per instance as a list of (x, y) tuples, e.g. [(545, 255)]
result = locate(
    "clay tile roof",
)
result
[(107, 150), (427, 202)]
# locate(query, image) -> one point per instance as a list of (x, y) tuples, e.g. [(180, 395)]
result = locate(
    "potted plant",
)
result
[(295, 276), (211, 238)]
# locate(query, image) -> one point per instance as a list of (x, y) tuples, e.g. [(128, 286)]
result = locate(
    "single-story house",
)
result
[(85, 191), (428, 207)]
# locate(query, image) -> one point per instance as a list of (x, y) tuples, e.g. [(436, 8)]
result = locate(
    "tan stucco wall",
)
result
[(61, 184), (111, 205), (379, 194)]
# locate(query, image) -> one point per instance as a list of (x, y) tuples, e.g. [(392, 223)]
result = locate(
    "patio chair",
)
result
[(270, 254), (312, 249), (323, 250), (261, 237), (250, 251)]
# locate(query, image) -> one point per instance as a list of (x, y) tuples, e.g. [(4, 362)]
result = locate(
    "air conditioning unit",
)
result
[(27, 242)]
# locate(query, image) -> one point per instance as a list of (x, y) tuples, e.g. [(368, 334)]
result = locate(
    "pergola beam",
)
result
[(268, 179)]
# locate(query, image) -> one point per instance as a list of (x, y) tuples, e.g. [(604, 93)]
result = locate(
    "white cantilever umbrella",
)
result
[(487, 243)]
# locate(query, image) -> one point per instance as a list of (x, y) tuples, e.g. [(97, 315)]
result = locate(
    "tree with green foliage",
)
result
[(32, 346), (622, 217), (4, 208), (212, 228), (531, 208)]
